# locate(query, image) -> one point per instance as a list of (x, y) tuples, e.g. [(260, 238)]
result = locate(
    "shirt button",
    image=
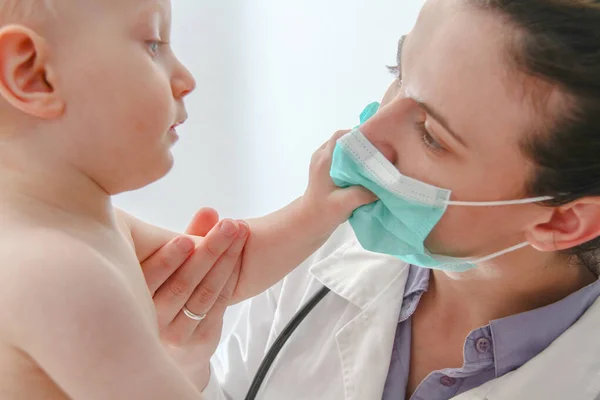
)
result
[(483, 345), (447, 381)]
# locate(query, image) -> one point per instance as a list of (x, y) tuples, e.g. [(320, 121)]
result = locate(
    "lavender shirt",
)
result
[(490, 351)]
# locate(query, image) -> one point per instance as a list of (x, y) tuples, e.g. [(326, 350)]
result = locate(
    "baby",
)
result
[(90, 98)]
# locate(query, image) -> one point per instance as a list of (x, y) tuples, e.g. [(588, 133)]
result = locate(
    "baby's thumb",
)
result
[(353, 197)]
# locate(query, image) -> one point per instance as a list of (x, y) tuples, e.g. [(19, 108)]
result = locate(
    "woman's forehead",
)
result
[(457, 60)]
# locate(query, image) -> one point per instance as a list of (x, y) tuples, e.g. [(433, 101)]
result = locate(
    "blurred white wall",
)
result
[(276, 78)]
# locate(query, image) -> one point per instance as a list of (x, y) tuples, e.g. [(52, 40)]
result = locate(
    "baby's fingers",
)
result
[(349, 199)]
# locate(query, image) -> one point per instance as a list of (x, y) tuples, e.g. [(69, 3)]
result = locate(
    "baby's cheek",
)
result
[(155, 113)]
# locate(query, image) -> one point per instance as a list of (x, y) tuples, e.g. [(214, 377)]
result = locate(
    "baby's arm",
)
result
[(281, 241), (77, 317), (147, 239)]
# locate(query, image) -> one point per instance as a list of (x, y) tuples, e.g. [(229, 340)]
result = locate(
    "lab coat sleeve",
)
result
[(241, 352)]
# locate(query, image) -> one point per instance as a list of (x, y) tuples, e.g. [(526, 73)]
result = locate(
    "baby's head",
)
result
[(92, 87)]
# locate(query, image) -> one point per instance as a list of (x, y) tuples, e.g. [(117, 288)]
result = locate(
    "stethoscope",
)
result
[(264, 367)]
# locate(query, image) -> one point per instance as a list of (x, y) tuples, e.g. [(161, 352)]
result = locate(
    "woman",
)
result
[(498, 100)]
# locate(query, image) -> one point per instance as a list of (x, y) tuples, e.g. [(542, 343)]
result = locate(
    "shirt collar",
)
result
[(417, 281), (416, 284), (518, 338)]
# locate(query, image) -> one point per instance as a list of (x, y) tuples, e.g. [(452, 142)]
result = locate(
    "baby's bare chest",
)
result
[(128, 271)]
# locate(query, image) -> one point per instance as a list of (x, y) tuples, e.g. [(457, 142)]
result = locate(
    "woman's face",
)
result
[(455, 121)]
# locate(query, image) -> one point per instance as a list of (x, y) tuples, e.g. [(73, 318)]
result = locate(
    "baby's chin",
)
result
[(161, 169), (143, 175)]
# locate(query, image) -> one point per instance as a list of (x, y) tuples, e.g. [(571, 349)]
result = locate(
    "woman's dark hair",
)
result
[(558, 41)]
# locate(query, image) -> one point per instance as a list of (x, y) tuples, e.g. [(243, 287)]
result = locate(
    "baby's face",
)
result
[(123, 88)]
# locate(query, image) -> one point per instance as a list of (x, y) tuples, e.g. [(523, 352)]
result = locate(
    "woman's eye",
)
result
[(428, 140), (395, 70)]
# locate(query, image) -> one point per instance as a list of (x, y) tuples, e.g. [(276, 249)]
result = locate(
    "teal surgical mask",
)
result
[(407, 210)]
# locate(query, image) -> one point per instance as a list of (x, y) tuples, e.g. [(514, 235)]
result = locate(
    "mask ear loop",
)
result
[(450, 261), (497, 203), (491, 204), (501, 253)]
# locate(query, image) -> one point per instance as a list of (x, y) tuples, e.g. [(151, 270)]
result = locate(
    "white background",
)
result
[(276, 78)]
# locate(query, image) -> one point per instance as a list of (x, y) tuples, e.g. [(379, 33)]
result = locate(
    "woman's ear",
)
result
[(568, 226), (25, 76)]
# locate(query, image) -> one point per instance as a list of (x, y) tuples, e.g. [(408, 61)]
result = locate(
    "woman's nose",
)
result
[(379, 130)]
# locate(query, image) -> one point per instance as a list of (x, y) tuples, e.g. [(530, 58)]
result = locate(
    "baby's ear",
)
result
[(24, 73)]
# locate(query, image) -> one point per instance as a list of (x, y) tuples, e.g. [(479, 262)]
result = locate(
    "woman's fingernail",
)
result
[(229, 228), (184, 244), (243, 231)]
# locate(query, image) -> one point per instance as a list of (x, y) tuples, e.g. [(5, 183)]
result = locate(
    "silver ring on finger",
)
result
[(191, 315)]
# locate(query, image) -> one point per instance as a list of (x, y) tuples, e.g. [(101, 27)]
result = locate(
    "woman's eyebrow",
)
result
[(399, 54), (442, 121), (426, 107)]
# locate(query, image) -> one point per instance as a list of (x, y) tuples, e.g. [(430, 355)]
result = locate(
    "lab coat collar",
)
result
[(374, 284), (360, 276)]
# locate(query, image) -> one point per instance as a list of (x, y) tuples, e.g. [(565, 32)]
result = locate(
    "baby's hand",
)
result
[(323, 200)]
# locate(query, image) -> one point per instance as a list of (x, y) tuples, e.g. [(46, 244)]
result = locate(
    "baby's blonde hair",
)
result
[(12, 11)]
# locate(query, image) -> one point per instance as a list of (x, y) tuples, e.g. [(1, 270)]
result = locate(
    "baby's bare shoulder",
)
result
[(70, 311), (47, 275), (44, 251)]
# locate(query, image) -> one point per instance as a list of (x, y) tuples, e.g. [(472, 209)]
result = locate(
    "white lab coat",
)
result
[(342, 349)]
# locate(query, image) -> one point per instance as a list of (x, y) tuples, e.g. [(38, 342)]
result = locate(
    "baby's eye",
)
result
[(154, 46)]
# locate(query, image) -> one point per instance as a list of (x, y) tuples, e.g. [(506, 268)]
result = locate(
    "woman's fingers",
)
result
[(175, 292), (210, 291), (161, 265), (208, 332)]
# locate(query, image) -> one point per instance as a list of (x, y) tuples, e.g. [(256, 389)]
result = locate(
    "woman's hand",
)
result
[(199, 273)]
